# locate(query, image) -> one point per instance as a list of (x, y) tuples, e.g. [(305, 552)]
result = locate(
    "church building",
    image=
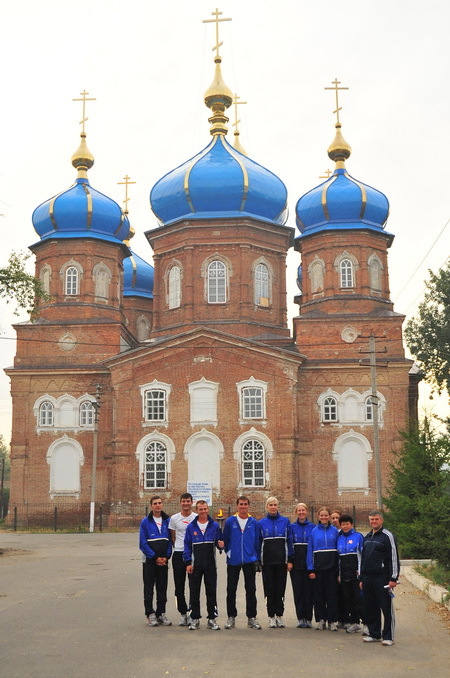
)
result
[(185, 374)]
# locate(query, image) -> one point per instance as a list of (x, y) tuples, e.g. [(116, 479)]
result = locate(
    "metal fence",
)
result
[(74, 516)]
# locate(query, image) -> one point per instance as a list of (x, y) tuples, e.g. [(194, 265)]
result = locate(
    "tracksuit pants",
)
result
[(378, 600), (209, 574), (179, 579), (233, 572), (326, 595), (351, 601), (302, 588), (274, 580), (155, 576)]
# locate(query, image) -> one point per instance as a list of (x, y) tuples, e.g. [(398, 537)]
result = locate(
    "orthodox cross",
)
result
[(216, 20), (84, 98), (336, 88), (236, 103), (326, 174), (126, 182)]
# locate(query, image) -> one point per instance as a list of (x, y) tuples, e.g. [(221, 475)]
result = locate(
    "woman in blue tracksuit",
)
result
[(302, 586), (322, 564), (276, 550)]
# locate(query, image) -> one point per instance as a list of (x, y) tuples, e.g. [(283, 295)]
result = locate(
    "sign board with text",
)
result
[(200, 491)]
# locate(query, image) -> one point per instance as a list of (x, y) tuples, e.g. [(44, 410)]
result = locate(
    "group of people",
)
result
[(346, 578)]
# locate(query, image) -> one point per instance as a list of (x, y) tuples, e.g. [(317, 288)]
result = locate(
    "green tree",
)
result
[(5, 464), (20, 287), (418, 502), (428, 334)]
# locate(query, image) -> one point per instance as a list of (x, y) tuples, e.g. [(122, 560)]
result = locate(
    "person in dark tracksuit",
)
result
[(177, 526), (322, 564), (241, 539), (202, 538), (349, 547), (156, 546), (302, 586), (276, 559), (380, 569)]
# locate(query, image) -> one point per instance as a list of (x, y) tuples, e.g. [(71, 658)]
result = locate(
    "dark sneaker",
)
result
[(212, 625), (151, 619), (253, 623), (163, 620), (230, 623), (194, 624)]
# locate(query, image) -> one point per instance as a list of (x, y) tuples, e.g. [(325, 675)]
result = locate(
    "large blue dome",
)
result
[(219, 182), (81, 212), (137, 277)]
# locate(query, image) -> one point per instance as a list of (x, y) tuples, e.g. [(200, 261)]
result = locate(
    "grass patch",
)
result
[(437, 573)]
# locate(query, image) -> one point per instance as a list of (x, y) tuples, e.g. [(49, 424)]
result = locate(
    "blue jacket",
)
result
[(349, 548), (380, 555), (152, 542), (199, 548), (275, 540), (300, 533), (241, 547), (322, 548)]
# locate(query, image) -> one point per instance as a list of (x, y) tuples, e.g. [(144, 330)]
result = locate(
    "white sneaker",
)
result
[(184, 620), (280, 622), (387, 642), (353, 628), (365, 630), (151, 619), (194, 624), (163, 621), (212, 625), (333, 626), (253, 623), (369, 639), (272, 623), (321, 625), (230, 623)]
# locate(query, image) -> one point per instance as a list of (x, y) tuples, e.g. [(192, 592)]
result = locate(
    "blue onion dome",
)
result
[(137, 275), (220, 181), (341, 202), (81, 211)]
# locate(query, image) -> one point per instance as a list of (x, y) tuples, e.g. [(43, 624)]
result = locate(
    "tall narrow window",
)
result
[(174, 287), (46, 414), (346, 271), (329, 409), (71, 281), (86, 413), (369, 409), (155, 405), (261, 285), (253, 464), (155, 466), (217, 282), (252, 403)]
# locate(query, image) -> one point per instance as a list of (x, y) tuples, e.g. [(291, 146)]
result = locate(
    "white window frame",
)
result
[(346, 274), (238, 445), (251, 383), (174, 287), (155, 386), (142, 446), (262, 284), (253, 446), (338, 447), (214, 295), (71, 282), (75, 490), (46, 408), (328, 416), (87, 414), (202, 384), (154, 463)]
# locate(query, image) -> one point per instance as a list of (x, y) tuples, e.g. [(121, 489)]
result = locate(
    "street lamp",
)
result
[(96, 405)]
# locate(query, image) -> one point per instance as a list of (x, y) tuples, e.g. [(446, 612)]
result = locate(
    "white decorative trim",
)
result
[(249, 383), (339, 444), (204, 274), (203, 384), (203, 433), (252, 434), (74, 492), (155, 436), (155, 386), (267, 264), (57, 403)]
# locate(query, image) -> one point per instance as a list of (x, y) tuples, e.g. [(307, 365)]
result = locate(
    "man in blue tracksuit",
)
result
[(156, 546), (349, 547), (203, 536), (380, 568), (241, 539), (302, 586)]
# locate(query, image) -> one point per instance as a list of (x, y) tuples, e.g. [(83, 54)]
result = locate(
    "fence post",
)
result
[(100, 518), (15, 519), (229, 510), (55, 519), (354, 514)]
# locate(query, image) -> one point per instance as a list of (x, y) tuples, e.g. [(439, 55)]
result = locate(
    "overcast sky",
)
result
[(148, 64)]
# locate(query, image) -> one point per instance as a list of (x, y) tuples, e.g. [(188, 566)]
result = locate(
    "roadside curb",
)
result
[(437, 593)]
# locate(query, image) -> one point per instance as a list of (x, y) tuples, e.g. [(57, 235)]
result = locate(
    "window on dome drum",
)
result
[(252, 402), (174, 287), (86, 413), (155, 466), (261, 285), (217, 282), (46, 414), (329, 409), (71, 281), (253, 464), (155, 405), (369, 409), (346, 271)]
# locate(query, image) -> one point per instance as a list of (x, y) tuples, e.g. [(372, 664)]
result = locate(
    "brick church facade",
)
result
[(201, 380)]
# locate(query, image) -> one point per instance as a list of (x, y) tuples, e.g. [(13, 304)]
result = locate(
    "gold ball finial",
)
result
[(218, 97), (82, 159), (339, 150)]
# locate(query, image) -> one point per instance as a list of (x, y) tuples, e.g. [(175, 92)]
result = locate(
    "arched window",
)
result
[(174, 287), (253, 464), (71, 281), (261, 285), (346, 273), (46, 414), (65, 456), (329, 409), (155, 466), (375, 268), (86, 413), (217, 282)]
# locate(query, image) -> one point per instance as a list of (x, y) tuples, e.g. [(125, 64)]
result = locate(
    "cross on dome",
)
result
[(216, 14)]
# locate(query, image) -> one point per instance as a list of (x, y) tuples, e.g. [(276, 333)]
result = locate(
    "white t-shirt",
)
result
[(242, 522), (203, 526), (158, 522), (179, 523)]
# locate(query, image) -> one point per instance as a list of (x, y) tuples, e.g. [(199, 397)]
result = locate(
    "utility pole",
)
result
[(375, 409), (2, 479), (96, 405)]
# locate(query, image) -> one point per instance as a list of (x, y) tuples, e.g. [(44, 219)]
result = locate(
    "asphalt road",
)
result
[(71, 607)]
